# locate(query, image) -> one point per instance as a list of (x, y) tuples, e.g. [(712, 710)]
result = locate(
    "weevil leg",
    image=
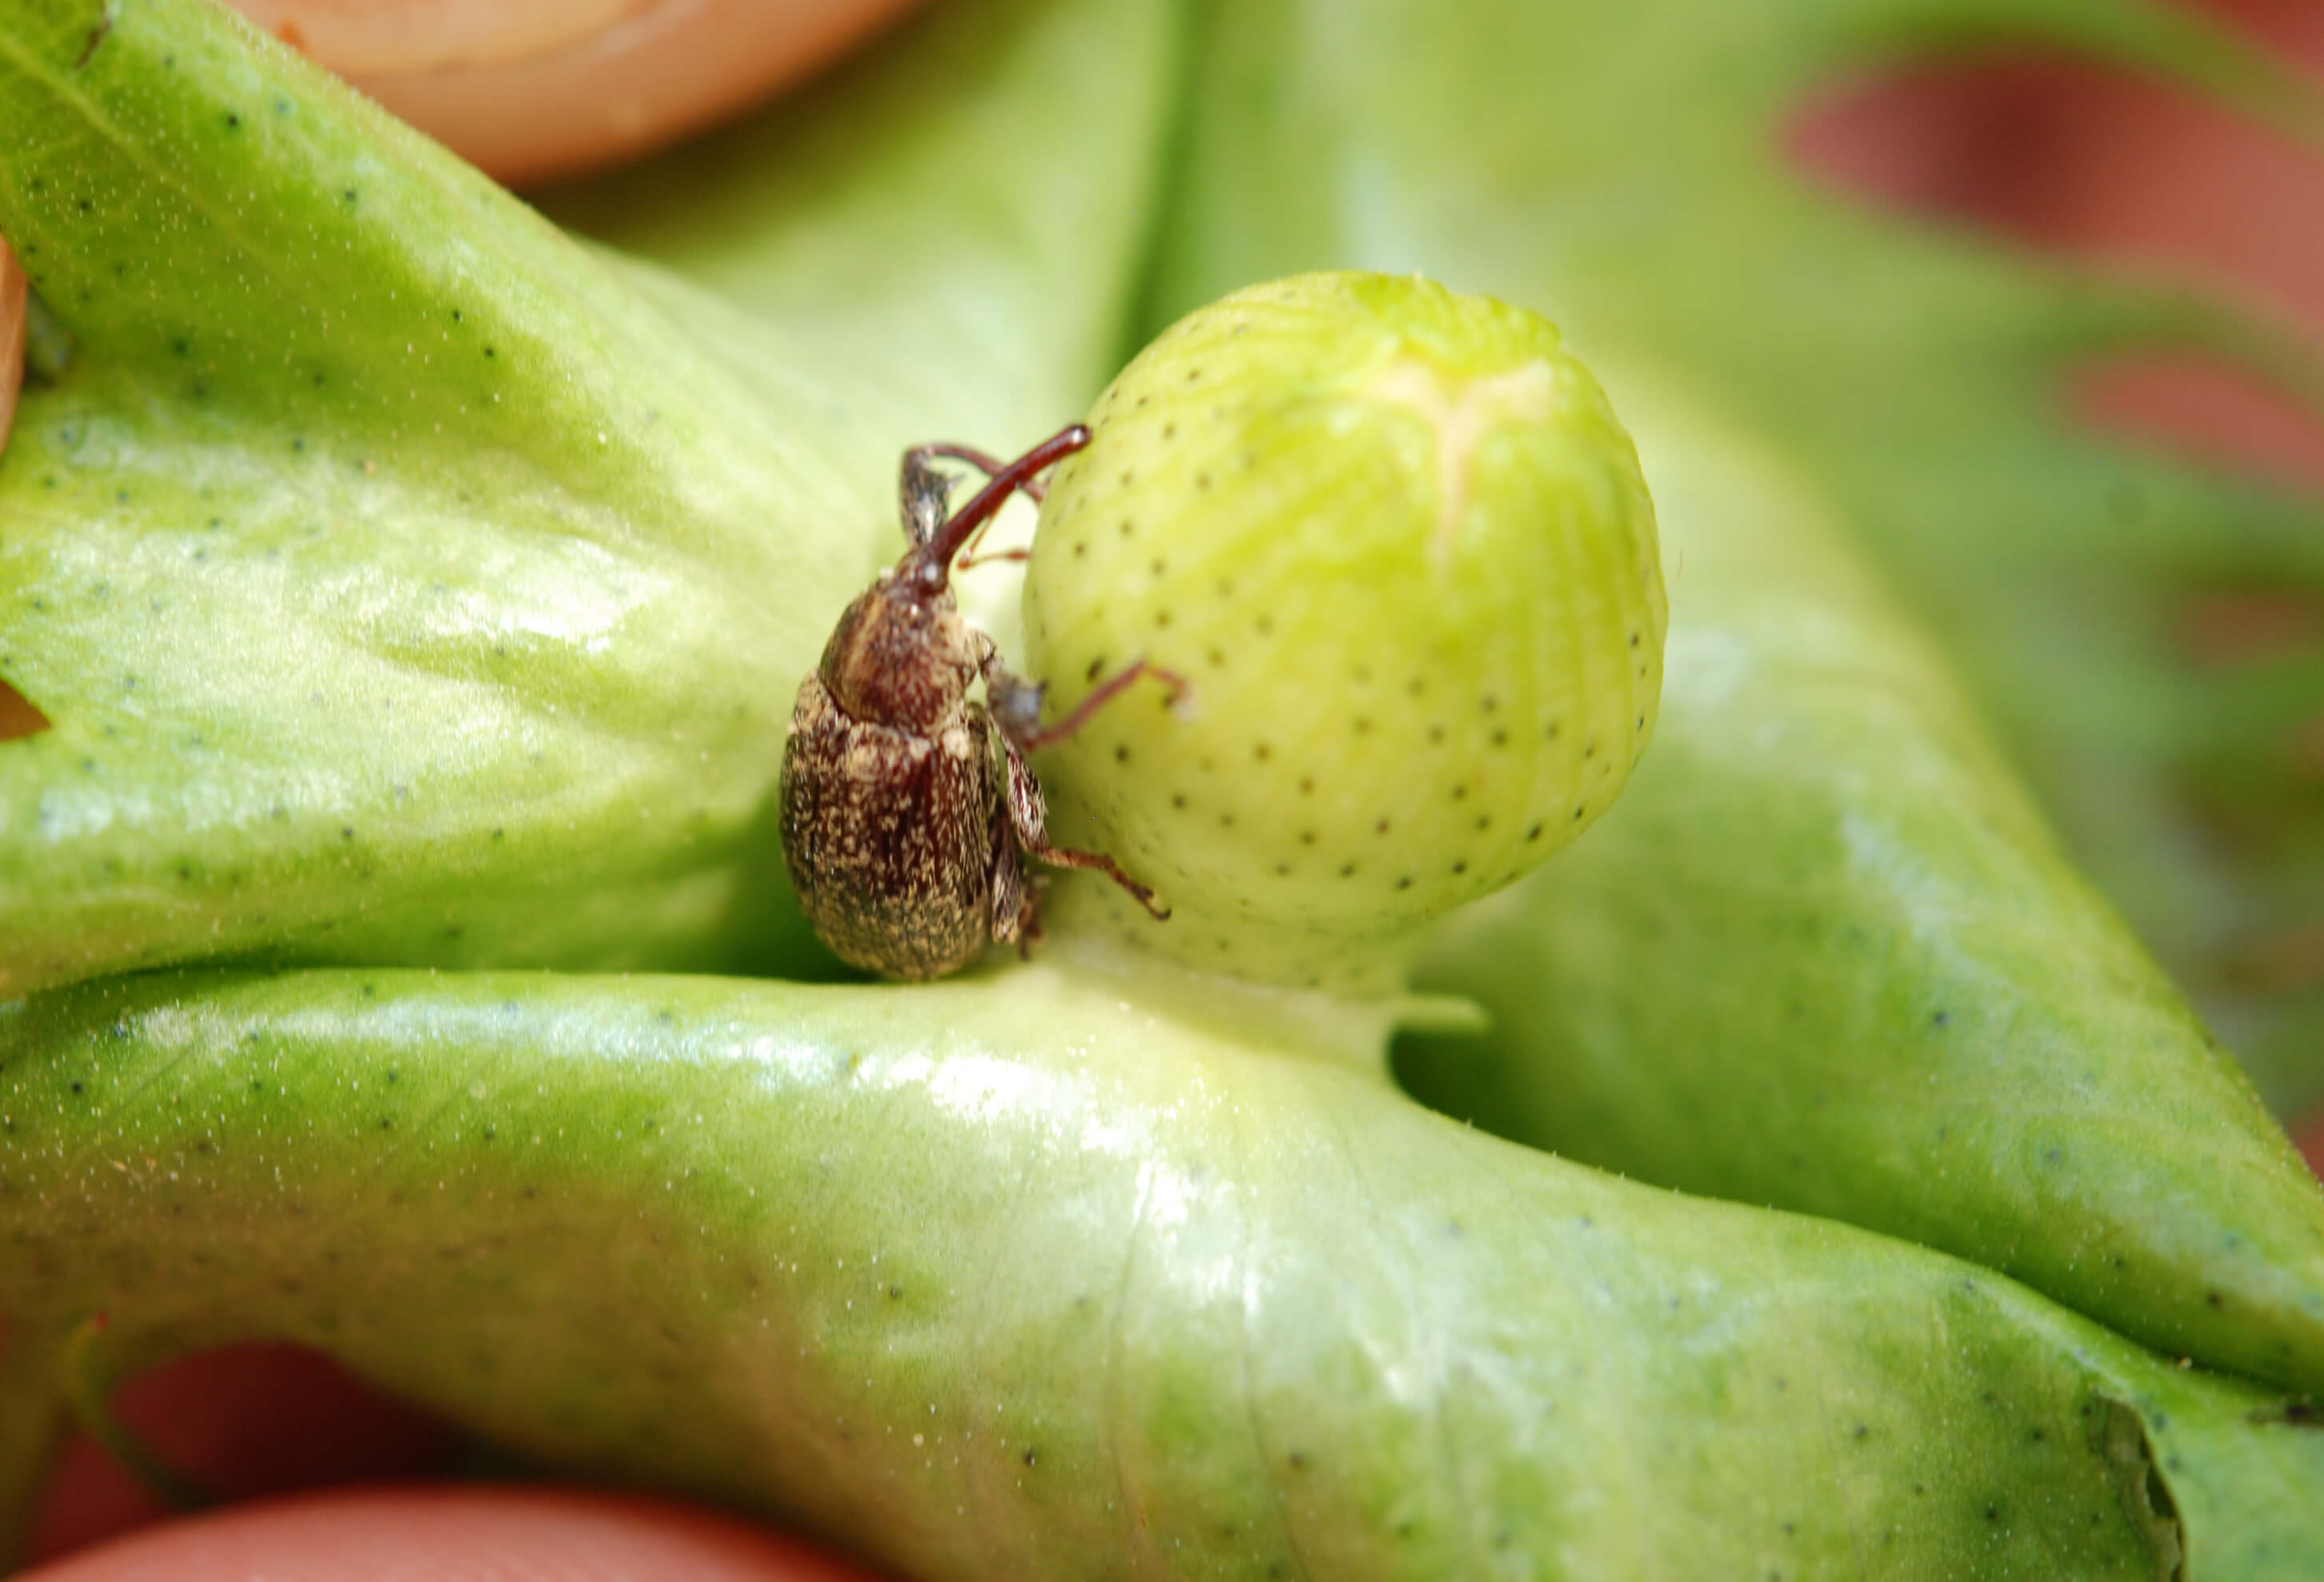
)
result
[(1029, 924), (1016, 703), (1028, 931), (984, 461), (1012, 898), (1016, 891), (1029, 811), (1013, 702), (971, 560)]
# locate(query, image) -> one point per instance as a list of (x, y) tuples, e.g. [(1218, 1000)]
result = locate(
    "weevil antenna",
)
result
[(1016, 475)]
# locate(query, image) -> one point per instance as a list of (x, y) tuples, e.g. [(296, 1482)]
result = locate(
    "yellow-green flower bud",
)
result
[(1396, 542)]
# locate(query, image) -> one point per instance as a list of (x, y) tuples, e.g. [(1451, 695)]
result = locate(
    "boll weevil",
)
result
[(909, 811)]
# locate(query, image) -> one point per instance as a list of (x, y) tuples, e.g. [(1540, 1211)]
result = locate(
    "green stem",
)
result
[(32, 1423), (87, 1381)]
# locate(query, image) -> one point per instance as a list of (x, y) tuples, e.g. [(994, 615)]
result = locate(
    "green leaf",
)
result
[(1073, 1288), (403, 581), (1824, 955)]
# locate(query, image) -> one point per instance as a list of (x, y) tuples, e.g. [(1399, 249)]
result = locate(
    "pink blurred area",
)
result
[(474, 1533), (242, 1422), (324, 1478), (532, 90), (2099, 164)]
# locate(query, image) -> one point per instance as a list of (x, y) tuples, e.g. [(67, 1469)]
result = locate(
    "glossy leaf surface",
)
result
[(1123, 1295)]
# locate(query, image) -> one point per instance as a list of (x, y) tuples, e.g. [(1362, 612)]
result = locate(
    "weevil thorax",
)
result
[(901, 655)]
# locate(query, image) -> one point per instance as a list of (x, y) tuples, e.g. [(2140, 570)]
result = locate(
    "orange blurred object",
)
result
[(532, 90)]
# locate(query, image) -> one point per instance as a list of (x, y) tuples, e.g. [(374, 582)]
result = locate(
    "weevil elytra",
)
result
[(909, 811)]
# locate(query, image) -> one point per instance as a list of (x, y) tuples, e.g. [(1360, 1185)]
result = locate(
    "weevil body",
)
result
[(909, 811)]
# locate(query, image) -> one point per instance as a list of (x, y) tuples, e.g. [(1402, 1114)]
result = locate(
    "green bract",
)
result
[(1074, 1288), (1953, 1040), (398, 583), (1097, 1265), (1396, 545)]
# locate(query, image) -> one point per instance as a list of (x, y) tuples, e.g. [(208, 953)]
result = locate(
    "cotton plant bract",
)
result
[(416, 594)]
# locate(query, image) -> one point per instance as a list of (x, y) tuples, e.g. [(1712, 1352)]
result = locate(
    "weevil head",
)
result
[(925, 571)]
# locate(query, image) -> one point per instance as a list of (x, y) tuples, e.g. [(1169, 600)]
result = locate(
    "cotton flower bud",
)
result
[(1400, 547)]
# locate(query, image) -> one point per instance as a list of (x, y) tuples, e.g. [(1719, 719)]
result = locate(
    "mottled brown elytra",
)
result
[(909, 811)]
